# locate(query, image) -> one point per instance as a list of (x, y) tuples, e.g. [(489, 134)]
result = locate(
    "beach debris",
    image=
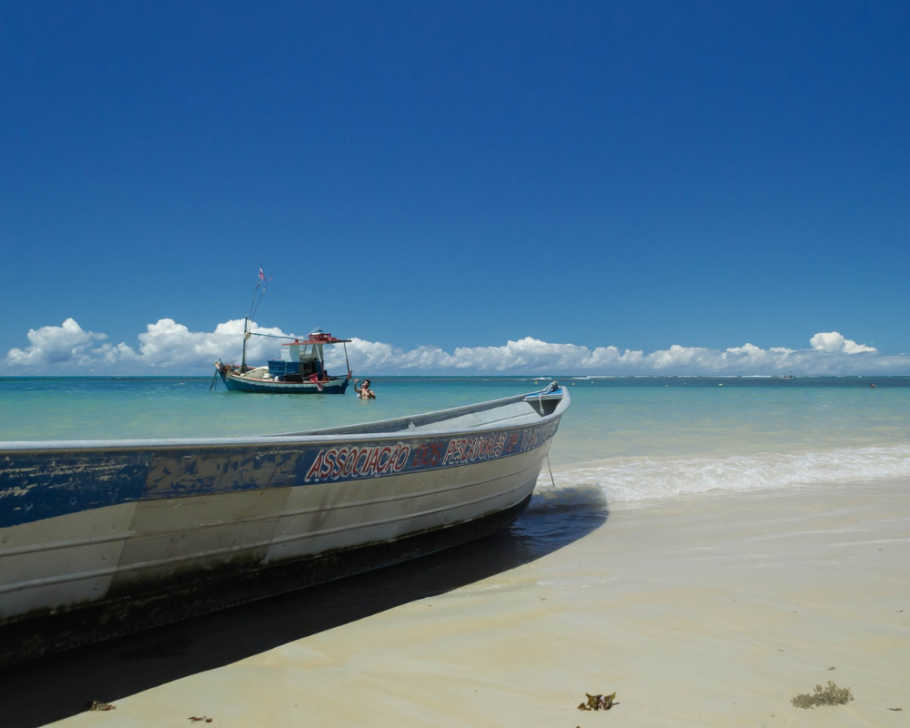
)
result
[(829, 695), (896, 710), (100, 705), (194, 719), (598, 702), (831, 668)]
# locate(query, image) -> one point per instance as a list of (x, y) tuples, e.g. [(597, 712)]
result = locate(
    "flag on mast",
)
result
[(261, 275)]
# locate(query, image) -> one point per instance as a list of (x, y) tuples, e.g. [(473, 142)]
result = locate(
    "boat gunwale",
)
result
[(404, 428)]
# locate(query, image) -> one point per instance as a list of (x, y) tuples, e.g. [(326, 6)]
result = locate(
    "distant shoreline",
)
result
[(815, 378)]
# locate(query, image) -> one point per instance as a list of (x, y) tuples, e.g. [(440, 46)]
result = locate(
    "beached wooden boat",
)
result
[(101, 537), (301, 370)]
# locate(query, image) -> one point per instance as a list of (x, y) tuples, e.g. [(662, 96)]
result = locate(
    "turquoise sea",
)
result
[(634, 439)]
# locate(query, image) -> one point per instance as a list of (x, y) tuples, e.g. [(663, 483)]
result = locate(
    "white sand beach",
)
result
[(700, 611)]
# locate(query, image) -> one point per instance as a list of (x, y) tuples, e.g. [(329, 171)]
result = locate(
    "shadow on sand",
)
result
[(62, 685)]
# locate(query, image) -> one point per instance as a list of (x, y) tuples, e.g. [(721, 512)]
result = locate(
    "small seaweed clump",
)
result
[(99, 705), (598, 702), (830, 695)]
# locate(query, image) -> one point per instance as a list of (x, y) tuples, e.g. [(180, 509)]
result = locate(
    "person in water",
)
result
[(363, 389)]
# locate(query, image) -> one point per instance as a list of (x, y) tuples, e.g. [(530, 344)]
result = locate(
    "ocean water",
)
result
[(630, 439)]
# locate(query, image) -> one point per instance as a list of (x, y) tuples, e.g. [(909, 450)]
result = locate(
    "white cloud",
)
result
[(165, 345), (49, 345), (835, 342), (527, 355), (531, 356), (168, 347)]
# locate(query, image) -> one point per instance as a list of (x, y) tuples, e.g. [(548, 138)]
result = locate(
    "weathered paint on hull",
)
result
[(62, 562), (116, 527), (174, 558), (239, 384)]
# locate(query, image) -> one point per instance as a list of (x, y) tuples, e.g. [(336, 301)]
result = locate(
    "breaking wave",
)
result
[(635, 479)]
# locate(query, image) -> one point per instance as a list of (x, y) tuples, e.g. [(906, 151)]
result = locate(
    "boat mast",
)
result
[(246, 335), (254, 307)]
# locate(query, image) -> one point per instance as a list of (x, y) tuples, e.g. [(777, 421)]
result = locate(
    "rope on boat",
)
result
[(214, 376), (552, 387), (273, 336)]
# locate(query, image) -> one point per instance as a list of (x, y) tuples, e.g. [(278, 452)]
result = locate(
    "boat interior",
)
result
[(520, 409)]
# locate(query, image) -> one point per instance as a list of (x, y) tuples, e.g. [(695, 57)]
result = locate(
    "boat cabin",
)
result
[(303, 358)]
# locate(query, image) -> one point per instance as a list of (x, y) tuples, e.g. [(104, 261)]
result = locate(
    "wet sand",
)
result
[(701, 611)]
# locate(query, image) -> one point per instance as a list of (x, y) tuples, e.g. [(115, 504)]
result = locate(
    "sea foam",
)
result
[(636, 479)]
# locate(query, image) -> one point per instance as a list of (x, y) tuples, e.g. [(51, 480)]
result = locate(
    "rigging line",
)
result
[(551, 470), (253, 301), (273, 336), (265, 287)]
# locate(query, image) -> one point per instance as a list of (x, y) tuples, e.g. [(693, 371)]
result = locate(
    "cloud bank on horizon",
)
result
[(169, 348)]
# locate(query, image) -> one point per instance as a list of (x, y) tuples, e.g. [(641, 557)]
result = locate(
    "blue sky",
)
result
[(441, 179)]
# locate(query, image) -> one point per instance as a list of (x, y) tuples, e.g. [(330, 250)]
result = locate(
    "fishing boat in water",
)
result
[(301, 369), (103, 537)]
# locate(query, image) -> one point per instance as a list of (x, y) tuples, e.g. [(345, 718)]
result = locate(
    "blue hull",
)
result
[(239, 384)]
